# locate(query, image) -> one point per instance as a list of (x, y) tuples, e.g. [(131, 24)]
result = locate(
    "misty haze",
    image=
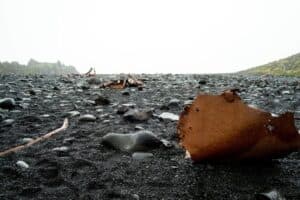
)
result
[(149, 99)]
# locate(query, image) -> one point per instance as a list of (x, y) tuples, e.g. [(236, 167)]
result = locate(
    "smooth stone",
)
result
[(22, 164), (69, 140), (174, 103), (271, 195), (99, 110), (131, 142), (26, 99), (136, 197), (138, 128), (100, 100), (122, 109), (61, 149), (187, 102), (170, 116), (7, 103), (125, 93), (72, 114), (285, 92), (26, 140), (32, 92), (135, 115), (87, 118), (45, 115), (8, 122), (141, 155)]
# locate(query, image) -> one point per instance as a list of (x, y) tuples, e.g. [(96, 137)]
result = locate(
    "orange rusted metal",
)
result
[(121, 84), (223, 127)]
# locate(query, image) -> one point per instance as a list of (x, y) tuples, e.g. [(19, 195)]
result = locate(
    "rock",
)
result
[(100, 100), (170, 116), (202, 82), (32, 92), (56, 88), (83, 85), (135, 115), (174, 103), (8, 122), (45, 115), (7, 103), (138, 141), (138, 128), (187, 102), (136, 197), (285, 92), (87, 118), (122, 109), (141, 155), (94, 81), (69, 140), (271, 195), (73, 113), (61, 149), (125, 93), (22, 164), (26, 140)]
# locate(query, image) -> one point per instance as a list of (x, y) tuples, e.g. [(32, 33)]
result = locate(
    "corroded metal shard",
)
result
[(223, 127), (123, 83)]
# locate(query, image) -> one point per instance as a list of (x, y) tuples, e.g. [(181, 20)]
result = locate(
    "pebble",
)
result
[(174, 103), (125, 93), (134, 115), (72, 113), (87, 118), (22, 164), (122, 109), (187, 102), (8, 122), (271, 195), (141, 155), (69, 140), (7, 103), (61, 149), (26, 140), (170, 116), (136, 197), (100, 100), (32, 92), (131, 142)]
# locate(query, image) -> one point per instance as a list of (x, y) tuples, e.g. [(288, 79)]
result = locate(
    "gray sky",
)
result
[(156, 36)]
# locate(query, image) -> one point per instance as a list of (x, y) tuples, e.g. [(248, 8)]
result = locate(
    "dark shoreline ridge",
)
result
[(74, 164)]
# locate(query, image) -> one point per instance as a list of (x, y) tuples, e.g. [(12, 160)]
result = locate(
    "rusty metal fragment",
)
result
[(130, 81), (223, 127)]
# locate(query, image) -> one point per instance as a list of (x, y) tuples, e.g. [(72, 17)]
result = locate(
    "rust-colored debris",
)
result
[(121, 84), (223, 127)]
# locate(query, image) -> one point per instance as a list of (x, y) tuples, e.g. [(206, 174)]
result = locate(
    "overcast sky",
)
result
[(150, 36)]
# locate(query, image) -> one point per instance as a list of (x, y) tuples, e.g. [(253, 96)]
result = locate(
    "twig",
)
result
[(39, 139)]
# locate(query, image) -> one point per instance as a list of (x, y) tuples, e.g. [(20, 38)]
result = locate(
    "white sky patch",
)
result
[(157, 36)]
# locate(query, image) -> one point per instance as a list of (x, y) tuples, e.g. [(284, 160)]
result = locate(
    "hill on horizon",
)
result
[(289, 66), (35, 67)]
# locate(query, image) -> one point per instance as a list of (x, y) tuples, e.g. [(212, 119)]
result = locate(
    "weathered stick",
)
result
[(39, 139)]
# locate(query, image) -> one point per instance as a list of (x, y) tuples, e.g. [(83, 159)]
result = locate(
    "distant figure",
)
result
[(91, 72)]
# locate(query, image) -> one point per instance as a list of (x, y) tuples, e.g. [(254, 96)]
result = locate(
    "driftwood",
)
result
[(39, 139)]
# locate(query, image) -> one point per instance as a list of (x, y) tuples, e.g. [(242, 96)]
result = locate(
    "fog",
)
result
[(150, 36)]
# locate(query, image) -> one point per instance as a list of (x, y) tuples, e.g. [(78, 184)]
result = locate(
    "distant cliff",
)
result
[(35, 67), (289, 66)]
